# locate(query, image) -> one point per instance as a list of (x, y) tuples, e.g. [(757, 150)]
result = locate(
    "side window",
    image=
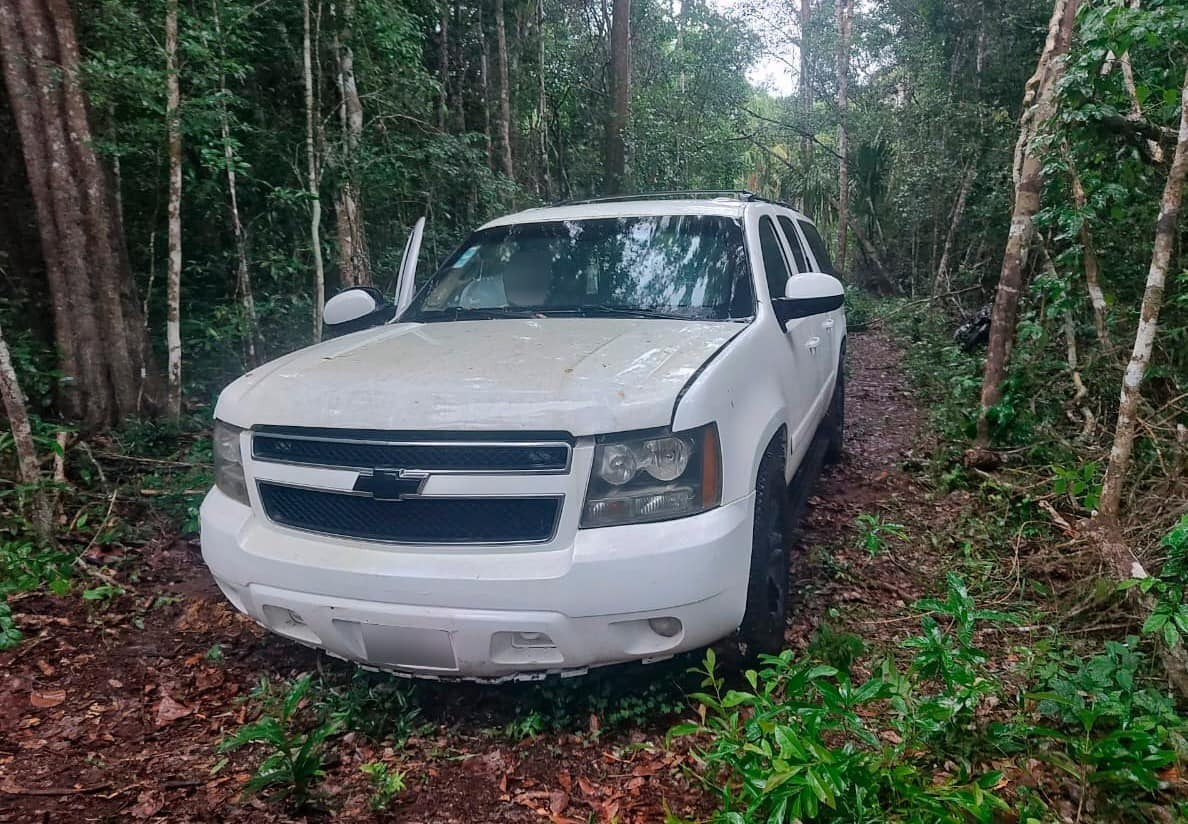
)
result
[(793, 243), (774, 264), (819, 251)]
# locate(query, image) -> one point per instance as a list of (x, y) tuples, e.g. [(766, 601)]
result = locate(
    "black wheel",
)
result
[(835, 421), (762, 629)]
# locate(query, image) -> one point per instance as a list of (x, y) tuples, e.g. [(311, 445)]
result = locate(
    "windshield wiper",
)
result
[(484, 313), (602, 310)]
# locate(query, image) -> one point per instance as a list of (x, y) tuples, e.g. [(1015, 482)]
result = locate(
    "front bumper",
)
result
[(488, 612)]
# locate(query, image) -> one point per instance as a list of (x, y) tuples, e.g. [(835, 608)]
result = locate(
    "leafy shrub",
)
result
[(874, 533), (10, 633), (800, 745), (294, 758), (380, 707), (1100, 723), (386, 783)]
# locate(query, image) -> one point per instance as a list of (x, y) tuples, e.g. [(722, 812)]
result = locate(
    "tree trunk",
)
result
[(620, 49), (173, 280), (543, 109), (314, 179), (485, 87), (845, 11), (1166, 230), (1092, 269), (243, 277), (1115, 551), (354, 263), (806, 91), (28, 471), (941, 283), (443, 66), (504, 116), (98, 328), (1029, 167)]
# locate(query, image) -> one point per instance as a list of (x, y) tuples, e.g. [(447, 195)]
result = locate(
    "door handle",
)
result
[(828, 324), (813, 343)]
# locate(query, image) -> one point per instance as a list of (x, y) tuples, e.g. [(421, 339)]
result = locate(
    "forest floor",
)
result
[(113, 708)]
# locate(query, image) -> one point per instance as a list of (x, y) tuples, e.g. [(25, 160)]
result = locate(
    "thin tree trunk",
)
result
[(354, 263), (102, 347), (443, 66), (314, 179), (28, 471), (243, 277), (1029, 163), (173, 280), (543, 110), (485, 86), (868, 248), (806, 91), (1092, 269), (1166, 229), (942, 281), (845, 10), (504, 118), (1115, 551), (620, 48)]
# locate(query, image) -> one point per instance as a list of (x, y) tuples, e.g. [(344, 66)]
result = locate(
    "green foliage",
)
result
[(860, 308), (27, 563), (379, 706), (1079, 484), (617, 701), (1102, 724), (386, 783), (294, 753), (1168, 620), (103, 592), (874, 533), (799, 745), (10, 633)]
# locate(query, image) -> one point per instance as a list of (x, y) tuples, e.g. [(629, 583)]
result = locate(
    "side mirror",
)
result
[(358, 307), (813, 293)]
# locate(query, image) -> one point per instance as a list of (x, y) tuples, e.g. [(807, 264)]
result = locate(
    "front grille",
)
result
[(414, 520), (457, 456)]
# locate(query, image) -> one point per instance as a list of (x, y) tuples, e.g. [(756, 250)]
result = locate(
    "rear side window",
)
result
[(774, 264), (819, 252), (794, 243)]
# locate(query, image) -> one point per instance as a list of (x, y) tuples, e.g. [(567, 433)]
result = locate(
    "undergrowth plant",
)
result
[(378, 706), (875, 533), (808, 742), (386, 784), (294, 752), (1101, 720)]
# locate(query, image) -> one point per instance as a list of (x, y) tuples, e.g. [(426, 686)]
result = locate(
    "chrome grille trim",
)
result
[(469, 456)]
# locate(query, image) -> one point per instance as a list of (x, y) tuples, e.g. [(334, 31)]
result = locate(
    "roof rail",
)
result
[(691, 194)]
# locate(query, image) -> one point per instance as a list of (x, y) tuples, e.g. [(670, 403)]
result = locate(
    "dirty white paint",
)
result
[(584, 376), (591, 591)]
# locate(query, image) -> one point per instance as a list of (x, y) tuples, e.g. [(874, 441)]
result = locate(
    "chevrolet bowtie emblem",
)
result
[(392, 484)]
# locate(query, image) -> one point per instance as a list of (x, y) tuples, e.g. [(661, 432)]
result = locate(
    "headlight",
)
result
[(228, 462), (654, 478)]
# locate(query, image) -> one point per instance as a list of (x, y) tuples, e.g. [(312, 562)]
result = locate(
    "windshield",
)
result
[(685, 266)]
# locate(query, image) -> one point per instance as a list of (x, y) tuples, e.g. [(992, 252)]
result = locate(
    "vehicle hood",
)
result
[(581, 375)]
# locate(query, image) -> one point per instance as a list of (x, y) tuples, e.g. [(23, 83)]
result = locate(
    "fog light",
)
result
[(668, 627), (295, 618), (531, 640)]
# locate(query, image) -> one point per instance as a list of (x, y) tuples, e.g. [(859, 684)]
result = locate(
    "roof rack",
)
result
[(692, 194)]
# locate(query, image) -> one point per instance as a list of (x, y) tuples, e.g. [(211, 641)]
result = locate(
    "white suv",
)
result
[(584, 440)]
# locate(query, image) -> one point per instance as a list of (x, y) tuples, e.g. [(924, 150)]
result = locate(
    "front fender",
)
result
[(740, 392)]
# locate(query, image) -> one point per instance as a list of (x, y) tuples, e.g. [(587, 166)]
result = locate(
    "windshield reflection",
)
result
[(687, 266)]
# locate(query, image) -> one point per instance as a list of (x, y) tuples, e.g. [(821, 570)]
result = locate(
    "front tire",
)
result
[(762, 630)]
